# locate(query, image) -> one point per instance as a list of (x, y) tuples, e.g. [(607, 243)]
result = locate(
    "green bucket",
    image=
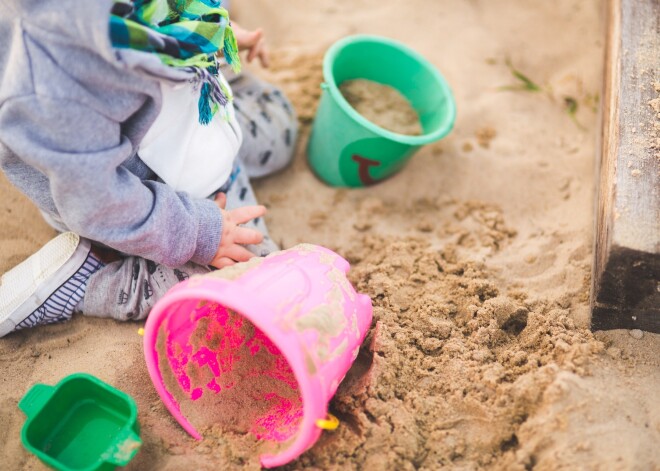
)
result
[(346, 149), (80, 424)]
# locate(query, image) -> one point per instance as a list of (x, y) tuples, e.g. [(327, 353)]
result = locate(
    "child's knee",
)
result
[(283, 101), (283, 128), (270, 129), (290, 128)]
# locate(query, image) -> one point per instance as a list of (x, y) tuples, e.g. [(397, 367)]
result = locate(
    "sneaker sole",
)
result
[(27, 286)]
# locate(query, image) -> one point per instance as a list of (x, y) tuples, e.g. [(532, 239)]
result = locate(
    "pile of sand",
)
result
[(477, 257), (452, 374)]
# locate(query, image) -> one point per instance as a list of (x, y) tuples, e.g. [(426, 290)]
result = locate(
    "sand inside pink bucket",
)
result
[(231, 382)]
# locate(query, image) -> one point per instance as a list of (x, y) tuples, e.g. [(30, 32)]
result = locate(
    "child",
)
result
[(117, 122)]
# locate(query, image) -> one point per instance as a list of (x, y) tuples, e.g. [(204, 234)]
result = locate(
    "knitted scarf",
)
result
[(182, 33)]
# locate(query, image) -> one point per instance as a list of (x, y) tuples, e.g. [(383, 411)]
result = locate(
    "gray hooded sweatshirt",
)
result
[(73, 111)]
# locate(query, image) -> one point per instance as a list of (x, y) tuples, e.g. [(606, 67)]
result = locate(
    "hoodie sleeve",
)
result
[(81, 152)]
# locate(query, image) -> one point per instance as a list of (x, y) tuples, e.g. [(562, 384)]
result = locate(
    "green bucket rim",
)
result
[(332, 87)]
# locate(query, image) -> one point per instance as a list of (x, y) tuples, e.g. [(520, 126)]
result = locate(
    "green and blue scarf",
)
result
[(182, 33)]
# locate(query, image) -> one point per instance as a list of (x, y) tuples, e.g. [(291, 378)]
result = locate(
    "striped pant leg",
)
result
[(61, 304)]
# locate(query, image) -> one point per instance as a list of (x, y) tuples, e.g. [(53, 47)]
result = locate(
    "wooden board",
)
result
[(626, 278)]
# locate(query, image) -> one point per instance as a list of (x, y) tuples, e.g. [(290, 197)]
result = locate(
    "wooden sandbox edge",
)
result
[(626, 277)]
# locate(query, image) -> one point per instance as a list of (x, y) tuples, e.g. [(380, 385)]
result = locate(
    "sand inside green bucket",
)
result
[(382, 105)]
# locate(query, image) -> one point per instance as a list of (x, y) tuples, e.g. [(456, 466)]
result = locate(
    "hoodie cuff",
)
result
[(209, 231)]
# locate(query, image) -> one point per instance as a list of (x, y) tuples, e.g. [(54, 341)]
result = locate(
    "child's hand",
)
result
[(231, 248), (252, 41)]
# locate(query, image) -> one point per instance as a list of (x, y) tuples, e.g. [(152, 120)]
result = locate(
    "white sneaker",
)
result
[(47, 286)]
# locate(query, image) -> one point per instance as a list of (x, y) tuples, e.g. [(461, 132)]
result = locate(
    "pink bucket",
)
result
[(264, 351)]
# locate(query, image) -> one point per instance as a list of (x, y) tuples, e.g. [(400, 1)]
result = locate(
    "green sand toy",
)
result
[(345, 149), (80, 424)]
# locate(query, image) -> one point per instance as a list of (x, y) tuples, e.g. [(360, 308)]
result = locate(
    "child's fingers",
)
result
[(238, 253), (257, 50), (253, 53), (256, 36), (247, 213), (263, 56), (245, 236), (223, 262), (221, 200), (250, 40)]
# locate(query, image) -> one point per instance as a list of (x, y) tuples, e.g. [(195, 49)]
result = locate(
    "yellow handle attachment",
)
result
[(331, 423)]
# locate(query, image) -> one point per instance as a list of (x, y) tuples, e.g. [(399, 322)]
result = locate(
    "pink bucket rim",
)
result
[(211, 289)]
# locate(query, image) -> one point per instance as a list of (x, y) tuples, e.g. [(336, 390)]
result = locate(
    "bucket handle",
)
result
[(330, 423), (35, 399)]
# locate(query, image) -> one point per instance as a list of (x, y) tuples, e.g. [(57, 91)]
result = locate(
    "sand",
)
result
[(382, 105), (477, 257), (238, 382)]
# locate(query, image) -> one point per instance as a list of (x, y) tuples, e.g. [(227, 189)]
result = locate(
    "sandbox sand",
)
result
[(382, 105), (477, 257)]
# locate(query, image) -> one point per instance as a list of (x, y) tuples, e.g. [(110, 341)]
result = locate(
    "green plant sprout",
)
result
[(571, 106), (526, 84)]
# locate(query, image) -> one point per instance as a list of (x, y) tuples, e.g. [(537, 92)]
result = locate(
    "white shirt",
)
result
[(186, 154)]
